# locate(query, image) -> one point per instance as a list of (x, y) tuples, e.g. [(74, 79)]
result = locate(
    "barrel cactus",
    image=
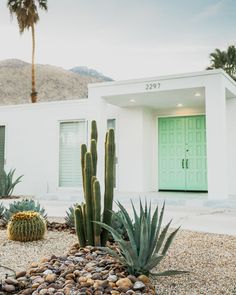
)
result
[(87, 214), (26, 226)]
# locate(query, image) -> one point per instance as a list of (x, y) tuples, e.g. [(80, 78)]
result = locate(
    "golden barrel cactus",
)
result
[(26, 226)]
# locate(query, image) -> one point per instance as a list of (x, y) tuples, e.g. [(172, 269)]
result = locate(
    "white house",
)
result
[(172, 133)]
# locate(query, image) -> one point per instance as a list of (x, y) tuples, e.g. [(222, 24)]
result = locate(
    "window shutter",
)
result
[(72, 135)]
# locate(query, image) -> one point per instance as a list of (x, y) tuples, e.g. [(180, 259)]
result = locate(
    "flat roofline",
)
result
[(165, 77), (44, 104)]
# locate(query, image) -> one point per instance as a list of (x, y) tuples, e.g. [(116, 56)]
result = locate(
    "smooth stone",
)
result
[(27, 292), (43, 292), (112, 278), (50, 278), (34, 264), (125, 282), (139, 285), (11, 281), (144, 279), (123, 289), (38, 280), (96, 276), (132, 278), (20, 274), (9, 288), (47, 271)]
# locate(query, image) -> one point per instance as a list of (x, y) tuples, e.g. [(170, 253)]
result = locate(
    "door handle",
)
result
[(186, 163), (182, 163)]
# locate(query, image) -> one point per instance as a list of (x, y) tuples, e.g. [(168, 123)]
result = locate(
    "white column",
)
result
[(215, 102)]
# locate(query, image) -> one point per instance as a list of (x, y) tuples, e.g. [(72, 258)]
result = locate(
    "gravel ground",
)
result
[(210, 258)]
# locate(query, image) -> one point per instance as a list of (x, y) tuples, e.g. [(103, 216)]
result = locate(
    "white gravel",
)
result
[(210, 258)]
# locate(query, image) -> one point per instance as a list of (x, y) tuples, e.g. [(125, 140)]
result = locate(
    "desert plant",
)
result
[(7, 184), (118, 225), (27, 16), (148, 243), (90, 233), (23, 205), (70, 218), (26, 226), (2, 209)]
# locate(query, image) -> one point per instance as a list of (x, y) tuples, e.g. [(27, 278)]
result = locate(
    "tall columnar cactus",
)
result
[(109, 182), (26, 226), (89, 232), (88, 173)]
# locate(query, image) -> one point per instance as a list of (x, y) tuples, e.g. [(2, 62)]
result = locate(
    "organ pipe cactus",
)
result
[(26, 226), (86, 214), (109, 182)]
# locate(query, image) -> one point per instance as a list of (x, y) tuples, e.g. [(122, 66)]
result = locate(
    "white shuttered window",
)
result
[(72, 135)]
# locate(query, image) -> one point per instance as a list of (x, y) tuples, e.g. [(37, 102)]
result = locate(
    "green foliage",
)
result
[(224, 59), (23, 205), (26, 12), (90, 233), (118, 225), (70, 218), (7, 184), (2, 209), (26, 226), (148, 241)]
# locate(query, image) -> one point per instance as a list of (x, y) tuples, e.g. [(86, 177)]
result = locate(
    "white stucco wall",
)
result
[(32, 141), (231, 145)]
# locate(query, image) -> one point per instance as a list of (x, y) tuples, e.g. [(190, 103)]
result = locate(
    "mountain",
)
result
[(87, 72), (52, 83)]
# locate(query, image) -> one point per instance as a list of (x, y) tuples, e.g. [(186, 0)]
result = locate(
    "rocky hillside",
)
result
[(87, 72), (53, 83)]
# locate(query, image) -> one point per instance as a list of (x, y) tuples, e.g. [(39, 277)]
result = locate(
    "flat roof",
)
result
[(164, 77)]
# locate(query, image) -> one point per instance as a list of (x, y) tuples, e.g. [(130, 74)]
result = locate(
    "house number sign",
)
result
[(152, 85)]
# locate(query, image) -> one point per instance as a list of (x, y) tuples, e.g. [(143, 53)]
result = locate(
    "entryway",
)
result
[(182, 161)]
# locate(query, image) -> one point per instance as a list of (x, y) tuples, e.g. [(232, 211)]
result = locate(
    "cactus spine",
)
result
[(89, 233), (26, 226)]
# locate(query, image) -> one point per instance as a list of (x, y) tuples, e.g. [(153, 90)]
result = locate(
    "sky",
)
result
[(124, 39)]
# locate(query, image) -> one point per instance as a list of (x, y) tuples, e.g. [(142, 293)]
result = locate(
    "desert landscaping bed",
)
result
[(210, 258)]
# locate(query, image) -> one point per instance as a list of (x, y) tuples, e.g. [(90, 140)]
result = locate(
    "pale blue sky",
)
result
[(125, 38)]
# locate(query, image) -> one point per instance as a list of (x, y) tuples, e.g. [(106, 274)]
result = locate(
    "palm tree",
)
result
[(26, 12), (225, 60)]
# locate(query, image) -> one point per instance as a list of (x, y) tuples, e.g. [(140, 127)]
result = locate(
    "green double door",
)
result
[(182, 153)]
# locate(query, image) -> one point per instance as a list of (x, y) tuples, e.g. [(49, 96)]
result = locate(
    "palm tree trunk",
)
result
[(33, 92)]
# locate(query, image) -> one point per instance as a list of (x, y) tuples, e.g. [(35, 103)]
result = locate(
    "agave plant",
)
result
[(70, 218), (23, 205), (2, 209), (117, 225), (7, 184), (148, 241)]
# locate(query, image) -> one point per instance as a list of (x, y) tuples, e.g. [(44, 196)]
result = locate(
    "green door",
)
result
[(2, 146), (182, 153), (195, 166)]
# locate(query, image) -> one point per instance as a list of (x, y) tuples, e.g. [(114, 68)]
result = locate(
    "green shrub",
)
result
[(148, 243), (7, 184), (23, 205), (26, 226)]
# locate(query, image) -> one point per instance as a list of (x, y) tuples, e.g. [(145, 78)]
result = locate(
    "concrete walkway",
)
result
[(190, 211)]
